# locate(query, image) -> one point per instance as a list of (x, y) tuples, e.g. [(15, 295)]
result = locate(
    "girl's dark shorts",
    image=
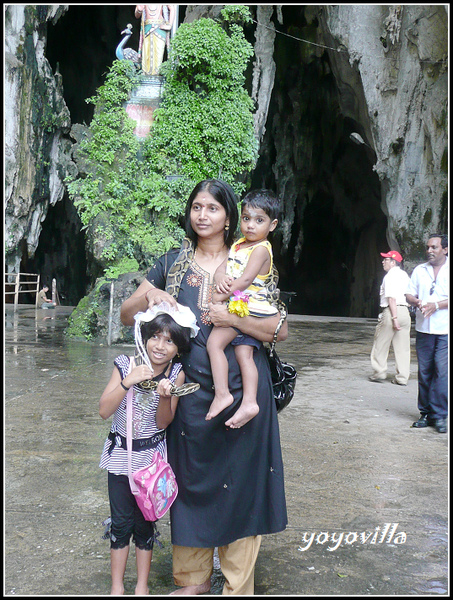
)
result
[(127, 518)]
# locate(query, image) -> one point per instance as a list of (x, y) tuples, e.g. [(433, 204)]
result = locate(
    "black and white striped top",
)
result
[(144, 408)]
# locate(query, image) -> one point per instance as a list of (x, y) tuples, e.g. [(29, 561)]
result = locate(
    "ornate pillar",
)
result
[(144, 100)]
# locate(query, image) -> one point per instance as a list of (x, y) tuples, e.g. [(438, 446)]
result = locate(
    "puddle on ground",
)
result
[(352, 463)]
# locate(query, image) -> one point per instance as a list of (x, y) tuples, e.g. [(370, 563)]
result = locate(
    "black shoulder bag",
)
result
[(283, 374)]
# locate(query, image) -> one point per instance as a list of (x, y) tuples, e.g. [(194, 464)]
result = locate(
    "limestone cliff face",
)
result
[(398, 57), (376, 70), (37, 153)]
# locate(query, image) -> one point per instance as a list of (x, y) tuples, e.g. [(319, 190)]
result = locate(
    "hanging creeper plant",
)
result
[(129, 211), (205, 120), (203, 129)]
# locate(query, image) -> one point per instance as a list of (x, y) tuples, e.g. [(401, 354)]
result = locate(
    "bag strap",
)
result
[(129, 399), (283, 314)]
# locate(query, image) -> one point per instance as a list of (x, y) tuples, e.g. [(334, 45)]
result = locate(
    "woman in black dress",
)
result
[(231, 488)]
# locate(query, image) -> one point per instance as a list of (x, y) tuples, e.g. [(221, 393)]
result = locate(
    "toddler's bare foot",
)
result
[(243, 415), (192, 590), (218, 404)]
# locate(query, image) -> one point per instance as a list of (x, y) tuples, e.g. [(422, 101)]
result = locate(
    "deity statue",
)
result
[(156, 23)]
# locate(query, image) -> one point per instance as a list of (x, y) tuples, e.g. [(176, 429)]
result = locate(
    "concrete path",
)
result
[(367, 495)]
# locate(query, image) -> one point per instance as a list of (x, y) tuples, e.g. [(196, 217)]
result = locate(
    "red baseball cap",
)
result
[(393, 254)]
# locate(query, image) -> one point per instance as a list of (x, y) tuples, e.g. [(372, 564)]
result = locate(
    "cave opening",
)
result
[(60, 254), (327, 249), (81, 45)]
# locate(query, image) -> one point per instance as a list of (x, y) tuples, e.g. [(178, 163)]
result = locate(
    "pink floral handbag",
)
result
[(155, 488)]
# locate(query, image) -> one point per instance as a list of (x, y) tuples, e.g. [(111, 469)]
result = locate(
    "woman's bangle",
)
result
[(393, 318), (124, 387), (146, 294), (436, 305)]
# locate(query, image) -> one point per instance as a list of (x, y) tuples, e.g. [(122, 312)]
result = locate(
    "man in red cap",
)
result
[(394, 323)]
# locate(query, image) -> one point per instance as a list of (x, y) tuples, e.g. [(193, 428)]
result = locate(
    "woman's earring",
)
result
[(227, 227)]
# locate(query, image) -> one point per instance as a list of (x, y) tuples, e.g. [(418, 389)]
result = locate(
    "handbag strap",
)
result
[(283, 314), (129, 399)]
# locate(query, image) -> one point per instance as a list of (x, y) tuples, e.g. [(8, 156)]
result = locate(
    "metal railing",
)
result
[(29, 286), (22, 285)]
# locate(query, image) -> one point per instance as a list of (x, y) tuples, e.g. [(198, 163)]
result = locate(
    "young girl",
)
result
[(161, 333), (247, 272)]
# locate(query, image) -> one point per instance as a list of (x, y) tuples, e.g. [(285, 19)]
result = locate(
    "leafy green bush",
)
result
[(125, 265), (205, 120), (203, 128), (120, 197)]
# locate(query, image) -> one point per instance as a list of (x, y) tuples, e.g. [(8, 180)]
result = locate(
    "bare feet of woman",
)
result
[(192, 590), (218, 404), (117, 591), (243, 415), (142, 591)]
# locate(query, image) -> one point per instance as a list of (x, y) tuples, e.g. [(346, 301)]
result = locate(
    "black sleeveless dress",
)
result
[(230, 480)]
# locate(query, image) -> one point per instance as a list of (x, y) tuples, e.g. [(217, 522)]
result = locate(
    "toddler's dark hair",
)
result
[(163, 322), (264, 199)]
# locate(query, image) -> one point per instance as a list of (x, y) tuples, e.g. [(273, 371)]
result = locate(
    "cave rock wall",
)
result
[(37, 121), (377, 71), (400, 54)]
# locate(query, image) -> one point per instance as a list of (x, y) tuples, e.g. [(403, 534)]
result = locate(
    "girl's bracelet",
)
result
[(124, 387)]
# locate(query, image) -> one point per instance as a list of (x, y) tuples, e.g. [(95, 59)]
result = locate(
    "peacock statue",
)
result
[(123, 53)]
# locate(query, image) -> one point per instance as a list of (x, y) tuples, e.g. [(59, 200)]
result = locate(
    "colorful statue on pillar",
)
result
[(156, 23)]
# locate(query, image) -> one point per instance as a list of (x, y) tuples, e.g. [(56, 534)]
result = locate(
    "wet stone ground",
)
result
[(367, 495)]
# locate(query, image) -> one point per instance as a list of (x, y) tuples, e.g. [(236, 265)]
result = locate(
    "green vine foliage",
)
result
[(203, 128), (128, 210), (205, 121)]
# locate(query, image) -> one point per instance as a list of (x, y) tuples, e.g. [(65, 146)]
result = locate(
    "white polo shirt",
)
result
[(394, 285), (421, 282)]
